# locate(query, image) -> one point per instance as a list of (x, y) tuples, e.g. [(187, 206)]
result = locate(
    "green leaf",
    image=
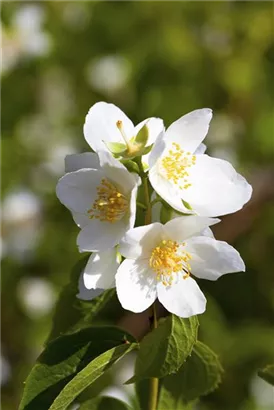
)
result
[(198, 376), (63, 358), (142, 389), (167, 401), (104, 403), (71, 313), (164, 350), (267, 373), (89, 374)]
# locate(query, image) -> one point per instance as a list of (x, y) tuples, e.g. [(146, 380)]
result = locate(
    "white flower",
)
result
[(101, 197), (161, 259), (100, 270), (181, 174), (105, 124)]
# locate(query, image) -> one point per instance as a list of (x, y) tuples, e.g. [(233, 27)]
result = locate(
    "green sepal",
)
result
[(165, 213), (130, 165), (142, 136), (187, 205), (117, 148), (137, 145), (147, 149)]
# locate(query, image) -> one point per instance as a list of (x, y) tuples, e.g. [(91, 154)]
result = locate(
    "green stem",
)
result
[(144, 177), (155, 201), (141, 205), (154, 382)]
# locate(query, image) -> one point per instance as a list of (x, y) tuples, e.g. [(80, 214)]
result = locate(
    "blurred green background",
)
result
[(151, 59)]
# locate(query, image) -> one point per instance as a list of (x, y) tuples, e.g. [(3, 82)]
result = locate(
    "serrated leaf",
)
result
[(199, 375), (63, 358), (267, 374), (164, 350), (104, 403), (89, 374)]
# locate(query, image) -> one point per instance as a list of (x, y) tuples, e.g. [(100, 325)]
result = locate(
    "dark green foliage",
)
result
[(104, 403), (198, 376), (89, 374), (66, 356)]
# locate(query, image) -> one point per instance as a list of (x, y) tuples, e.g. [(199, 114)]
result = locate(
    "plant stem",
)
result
[(155, 201), (154, 382), (143, 176), (141, 205)]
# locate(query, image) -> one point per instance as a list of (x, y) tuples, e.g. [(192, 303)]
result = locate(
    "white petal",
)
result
[(135, 285), (132, 207), (85, 160), (201, 149), (212, 259), (117, 173), (167, 191), (184, 227), (190, 130), (157, 150), (216, 187), (155, 127), (139, 242), (81, 220), (183, 298), (100, 126), (101, 269), (207, 232), (77, 190), (86, 294), (100, 236)]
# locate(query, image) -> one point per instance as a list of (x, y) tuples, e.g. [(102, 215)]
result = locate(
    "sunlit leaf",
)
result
[(89, 374), (63, 358), (164, 350)]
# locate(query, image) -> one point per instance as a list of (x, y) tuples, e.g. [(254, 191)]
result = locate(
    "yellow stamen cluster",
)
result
[(175, 165), (110, 205), (168, 259)]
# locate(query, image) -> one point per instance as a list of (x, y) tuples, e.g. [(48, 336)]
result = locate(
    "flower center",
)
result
[(167, 259), (174, 166), (110, 205)]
